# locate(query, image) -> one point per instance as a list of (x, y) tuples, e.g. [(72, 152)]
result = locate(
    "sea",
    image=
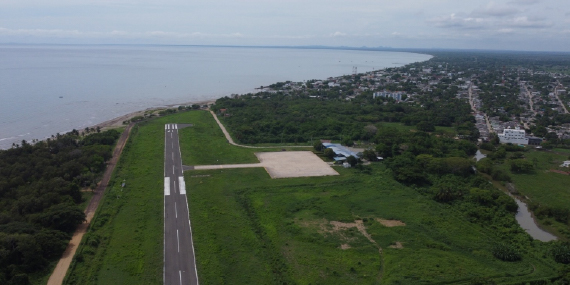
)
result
[(50, 89)]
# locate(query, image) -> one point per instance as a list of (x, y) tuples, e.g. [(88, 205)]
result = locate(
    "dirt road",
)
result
[(60, 270)]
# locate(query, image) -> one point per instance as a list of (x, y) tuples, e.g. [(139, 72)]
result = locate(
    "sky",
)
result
[(532, 25)]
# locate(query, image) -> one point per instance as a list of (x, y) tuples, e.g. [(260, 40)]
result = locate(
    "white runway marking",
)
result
[(175, 210), (176, 127), (180, 273), (175, 186), (166, 186), (182, 185), (178, 240), (173, 170), (166, 127)]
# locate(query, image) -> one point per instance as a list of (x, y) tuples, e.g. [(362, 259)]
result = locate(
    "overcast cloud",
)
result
[(466, 24)]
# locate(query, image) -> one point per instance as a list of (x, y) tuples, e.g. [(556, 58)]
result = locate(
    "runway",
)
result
[(179, 259)]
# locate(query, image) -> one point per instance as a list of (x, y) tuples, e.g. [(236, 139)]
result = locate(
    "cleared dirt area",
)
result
[(390, 223), (284, 164), (294, 164)]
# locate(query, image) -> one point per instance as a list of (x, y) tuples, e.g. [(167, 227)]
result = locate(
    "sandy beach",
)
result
[(118, 121)]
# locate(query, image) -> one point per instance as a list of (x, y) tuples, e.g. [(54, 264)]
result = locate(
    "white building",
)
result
[(514, 136), (387, 94), (565, 164)]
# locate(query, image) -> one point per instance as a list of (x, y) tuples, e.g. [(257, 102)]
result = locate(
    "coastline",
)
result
[(118, 121)]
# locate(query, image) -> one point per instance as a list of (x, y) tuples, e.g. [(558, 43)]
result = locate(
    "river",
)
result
[(524, 216)]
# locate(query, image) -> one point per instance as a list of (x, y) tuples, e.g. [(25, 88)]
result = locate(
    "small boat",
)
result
[(60, 96)]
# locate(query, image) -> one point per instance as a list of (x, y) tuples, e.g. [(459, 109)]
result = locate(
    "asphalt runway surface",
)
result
[(179, 259)]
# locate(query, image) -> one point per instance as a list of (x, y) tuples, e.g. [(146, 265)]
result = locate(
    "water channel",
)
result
[(524, 216)]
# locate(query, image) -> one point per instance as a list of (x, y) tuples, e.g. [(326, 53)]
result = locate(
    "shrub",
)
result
[(506, 252), (561, 252)]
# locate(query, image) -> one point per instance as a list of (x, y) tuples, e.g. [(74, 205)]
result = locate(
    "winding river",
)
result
[(524, 216)]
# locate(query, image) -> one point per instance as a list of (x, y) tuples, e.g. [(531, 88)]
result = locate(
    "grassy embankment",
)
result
[(544, 187)]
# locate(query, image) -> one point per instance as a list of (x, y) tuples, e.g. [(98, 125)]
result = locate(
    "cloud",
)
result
[(338, 34), (495, 10), (457, 21), (525, 2)]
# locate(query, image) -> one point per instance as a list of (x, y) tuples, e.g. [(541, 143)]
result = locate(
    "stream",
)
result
[(524, 216)]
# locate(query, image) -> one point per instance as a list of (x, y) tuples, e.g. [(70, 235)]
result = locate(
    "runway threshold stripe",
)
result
[(175, 126), (166, 186), (182, 185)]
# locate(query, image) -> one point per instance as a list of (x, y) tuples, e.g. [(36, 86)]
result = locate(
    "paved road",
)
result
[(179, 259)]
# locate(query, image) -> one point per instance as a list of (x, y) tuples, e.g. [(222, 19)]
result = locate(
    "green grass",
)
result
[(124, 242), (544, 186), (205, 144), (251, 229)]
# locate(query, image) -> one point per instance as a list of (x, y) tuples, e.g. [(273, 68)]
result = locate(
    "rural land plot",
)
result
[(243, 218)]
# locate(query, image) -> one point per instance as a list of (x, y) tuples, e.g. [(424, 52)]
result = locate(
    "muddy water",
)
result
[(526, 221), (479, 155), (524, 217)]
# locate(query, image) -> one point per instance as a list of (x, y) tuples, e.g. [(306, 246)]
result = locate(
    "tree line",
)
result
[(40, 195)]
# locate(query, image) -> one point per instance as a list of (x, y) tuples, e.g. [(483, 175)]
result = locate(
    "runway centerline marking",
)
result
[(178, 240), (180, 273), (175, 210)]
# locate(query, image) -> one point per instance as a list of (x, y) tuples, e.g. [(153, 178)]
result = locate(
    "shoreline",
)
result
[(118, 121)]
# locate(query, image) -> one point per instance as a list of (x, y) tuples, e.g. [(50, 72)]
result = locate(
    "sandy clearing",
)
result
[(390, 223), (284, 164)]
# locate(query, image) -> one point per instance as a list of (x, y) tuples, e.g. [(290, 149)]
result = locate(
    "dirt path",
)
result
[(60, 270), (231, 141)]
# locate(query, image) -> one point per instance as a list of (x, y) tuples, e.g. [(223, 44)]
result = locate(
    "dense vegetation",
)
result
[(39, 196), (280, 118)]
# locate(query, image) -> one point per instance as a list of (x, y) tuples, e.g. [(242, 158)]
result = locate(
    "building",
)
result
[(514, 136), (387, 94), (565, 164), (341, 152)]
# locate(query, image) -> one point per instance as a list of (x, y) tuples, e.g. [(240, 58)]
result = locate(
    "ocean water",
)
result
[(97, 83)]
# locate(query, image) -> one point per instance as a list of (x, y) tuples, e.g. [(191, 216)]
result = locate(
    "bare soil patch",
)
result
[(390, 223), (345, 246), (397, 245), (284, 164)]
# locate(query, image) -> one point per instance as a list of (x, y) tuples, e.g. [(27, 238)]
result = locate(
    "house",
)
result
[(565, 164)]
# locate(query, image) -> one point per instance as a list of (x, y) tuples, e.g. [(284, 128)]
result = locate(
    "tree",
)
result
[(425, 126), (352, 160), (521, 166), (369, 155), (318, 146), (329, 153)]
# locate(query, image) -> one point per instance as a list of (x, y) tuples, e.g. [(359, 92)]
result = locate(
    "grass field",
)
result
[(250, 229), (544, 186), (205, 144)]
